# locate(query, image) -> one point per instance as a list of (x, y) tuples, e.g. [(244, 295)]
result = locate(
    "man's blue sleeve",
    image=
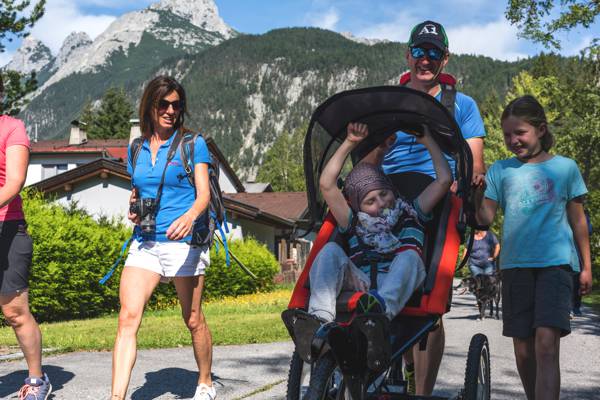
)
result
[(468, 117)]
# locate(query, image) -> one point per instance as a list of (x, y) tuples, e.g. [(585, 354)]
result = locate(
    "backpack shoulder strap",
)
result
[(136, 146), (448, 97), (187, 154)]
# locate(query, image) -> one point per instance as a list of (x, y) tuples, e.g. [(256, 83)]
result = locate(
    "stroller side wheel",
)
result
[(477, 374), (298, 378), (326, 381)]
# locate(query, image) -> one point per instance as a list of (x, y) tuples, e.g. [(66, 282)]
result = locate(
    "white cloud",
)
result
[(497, 39), (325, 20), (63, 17), (574, 49), (397, 29), (5, 58)]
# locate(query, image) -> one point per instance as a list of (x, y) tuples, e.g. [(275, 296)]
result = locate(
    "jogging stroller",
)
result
[(338, 372)]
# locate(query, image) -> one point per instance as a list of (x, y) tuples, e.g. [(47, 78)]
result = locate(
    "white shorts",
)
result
[(168, 259)]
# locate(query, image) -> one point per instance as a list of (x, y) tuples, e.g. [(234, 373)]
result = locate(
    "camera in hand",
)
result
[(145, 209)]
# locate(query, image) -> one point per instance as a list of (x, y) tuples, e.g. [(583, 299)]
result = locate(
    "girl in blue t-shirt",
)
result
[(541, 196), (165, 215)]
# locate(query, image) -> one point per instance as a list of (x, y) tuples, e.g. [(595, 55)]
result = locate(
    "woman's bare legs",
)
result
[(16, 311), (189, 291), (137, 285)]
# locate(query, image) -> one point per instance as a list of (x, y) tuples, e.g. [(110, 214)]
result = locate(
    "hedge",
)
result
[(72, 251)]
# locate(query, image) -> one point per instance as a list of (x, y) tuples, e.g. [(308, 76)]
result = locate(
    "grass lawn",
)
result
[(593, 299), (245, 319)]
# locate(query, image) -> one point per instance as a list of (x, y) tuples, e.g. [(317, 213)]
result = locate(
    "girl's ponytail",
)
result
[(531, 111)]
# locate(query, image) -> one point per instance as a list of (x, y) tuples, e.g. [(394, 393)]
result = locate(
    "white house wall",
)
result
[(110, 197), (100, 197), (263, 233), (34, 171), (226, 182)]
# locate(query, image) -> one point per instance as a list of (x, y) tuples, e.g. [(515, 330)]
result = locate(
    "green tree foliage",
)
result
[(72, 251), (111, 119), (15, 20), (283, 163), (222, 280), (535, 18)]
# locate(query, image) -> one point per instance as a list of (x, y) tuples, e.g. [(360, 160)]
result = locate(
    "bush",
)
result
[(222, 280), (72, 251)]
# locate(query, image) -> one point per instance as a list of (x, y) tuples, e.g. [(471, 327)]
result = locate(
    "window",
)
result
[(50, 170)]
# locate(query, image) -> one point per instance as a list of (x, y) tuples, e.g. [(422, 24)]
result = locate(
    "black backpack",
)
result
[(215, 217)]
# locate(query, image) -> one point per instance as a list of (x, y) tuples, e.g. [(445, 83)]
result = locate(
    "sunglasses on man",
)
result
[(163, 105), (433, 53)]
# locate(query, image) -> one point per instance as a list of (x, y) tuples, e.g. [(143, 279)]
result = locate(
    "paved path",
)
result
[(259, 371)]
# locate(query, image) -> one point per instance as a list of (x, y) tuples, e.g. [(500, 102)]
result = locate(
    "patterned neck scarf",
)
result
[(378, 232)]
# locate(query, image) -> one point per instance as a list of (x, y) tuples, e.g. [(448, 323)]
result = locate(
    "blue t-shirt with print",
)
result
[(536, 232), (178, 195), (407, 155)]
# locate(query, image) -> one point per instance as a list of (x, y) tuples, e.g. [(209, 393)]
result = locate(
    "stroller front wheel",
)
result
[(477, 374), (298, 378), (326, 380)]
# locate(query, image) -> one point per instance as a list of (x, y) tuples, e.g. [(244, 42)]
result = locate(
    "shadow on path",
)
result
[(12, 382)]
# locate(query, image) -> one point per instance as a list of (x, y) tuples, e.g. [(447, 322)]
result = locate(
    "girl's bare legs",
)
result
[(137, 285), (526, 364), (547, 355)]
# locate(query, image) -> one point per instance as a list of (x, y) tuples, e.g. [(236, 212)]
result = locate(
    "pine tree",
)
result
[(111, 120), (282, 166)]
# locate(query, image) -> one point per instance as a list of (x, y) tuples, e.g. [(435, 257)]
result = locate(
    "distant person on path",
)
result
[(16, 252), (576, 286), (427, 56), (484, 253), (165, 215), (541, 196)]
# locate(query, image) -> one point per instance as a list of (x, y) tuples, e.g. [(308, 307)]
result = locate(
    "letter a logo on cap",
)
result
[(428, 29)]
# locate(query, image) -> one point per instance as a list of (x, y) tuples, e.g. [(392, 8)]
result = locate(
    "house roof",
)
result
[(84, 172), (107, 148), (288, 205), (117, 149), (111, 167)]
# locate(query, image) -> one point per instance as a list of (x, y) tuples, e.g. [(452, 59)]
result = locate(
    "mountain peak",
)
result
[(32, 55), (202, 13), (76, 41)]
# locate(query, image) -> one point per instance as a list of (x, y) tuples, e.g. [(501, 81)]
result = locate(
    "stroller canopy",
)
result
[(386, 110)]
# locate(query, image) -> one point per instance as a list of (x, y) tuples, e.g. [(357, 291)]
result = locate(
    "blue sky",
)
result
[(473, 26)]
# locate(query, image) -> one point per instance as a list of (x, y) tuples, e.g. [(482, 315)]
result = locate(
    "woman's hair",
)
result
[(531, 111), (157, 89)]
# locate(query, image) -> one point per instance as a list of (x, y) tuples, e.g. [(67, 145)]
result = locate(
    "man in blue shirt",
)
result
[(427, 56)]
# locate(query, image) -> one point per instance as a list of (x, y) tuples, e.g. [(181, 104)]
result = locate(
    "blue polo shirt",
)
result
[(407, 155), (178, 195)]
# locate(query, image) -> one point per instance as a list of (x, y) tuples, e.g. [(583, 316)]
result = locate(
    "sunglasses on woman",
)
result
[(163, 105), (433, 53)]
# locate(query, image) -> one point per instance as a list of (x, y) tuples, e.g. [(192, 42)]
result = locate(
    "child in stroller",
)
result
[(385, 233)]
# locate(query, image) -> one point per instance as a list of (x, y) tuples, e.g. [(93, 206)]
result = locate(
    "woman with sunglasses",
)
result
[(164, 209)]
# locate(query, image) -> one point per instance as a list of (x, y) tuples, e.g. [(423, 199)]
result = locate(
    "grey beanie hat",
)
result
[(363, 179)]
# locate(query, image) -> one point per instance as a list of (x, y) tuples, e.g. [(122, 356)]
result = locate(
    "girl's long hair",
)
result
[(157, 89), (531, 111)]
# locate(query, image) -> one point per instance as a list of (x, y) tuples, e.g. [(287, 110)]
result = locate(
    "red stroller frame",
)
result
[(386, 110)]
